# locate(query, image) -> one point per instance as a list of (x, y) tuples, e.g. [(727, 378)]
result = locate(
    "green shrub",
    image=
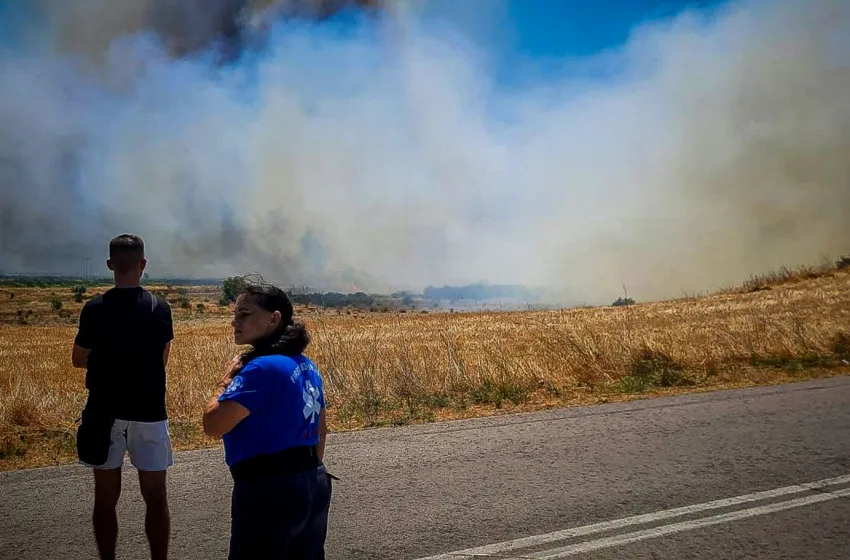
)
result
[(230, 289)]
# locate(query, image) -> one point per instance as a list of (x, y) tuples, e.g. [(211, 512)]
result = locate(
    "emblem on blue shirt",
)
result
[(234, 385), (312, 407)]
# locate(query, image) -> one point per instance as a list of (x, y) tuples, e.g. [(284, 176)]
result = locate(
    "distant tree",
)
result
[(230, 289), (360, 300), (478, 292), (623, 301), (78, 293)]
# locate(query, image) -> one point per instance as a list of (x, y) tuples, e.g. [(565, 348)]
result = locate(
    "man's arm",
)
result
[(166, 328), (80, 356), (84, 341)]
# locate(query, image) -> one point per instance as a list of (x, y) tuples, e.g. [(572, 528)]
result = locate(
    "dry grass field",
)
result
[(401, 368)]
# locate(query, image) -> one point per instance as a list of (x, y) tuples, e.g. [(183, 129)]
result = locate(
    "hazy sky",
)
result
[(669, 146)]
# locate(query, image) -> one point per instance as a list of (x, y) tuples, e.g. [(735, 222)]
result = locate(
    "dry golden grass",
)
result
[(402, 368)]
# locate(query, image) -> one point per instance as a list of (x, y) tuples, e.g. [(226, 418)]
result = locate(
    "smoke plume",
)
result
[(387, 155)]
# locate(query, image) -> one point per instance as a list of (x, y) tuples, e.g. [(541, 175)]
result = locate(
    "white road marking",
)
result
[(537, 540), (626, 538)]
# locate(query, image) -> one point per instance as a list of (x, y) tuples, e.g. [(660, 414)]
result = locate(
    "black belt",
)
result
[(288, 461)]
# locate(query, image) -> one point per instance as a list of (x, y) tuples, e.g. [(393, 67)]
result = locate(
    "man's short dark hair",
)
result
[(126, 251)]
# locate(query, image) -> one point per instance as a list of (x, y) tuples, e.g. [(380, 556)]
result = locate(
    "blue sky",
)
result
[(11, 18), (555, 28), (525, 28), (532, 38)]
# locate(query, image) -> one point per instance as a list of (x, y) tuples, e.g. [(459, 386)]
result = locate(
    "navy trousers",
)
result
[(280, 517)]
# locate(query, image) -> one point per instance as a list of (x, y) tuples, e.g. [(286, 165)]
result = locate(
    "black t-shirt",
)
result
[(126, 330)]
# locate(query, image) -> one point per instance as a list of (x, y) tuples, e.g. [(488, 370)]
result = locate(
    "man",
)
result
[(123, 341)]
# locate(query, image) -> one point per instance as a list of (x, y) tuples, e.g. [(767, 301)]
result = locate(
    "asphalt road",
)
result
[(731, 465)]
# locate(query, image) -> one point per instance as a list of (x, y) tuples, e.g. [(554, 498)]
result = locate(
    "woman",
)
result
[(270, 411)]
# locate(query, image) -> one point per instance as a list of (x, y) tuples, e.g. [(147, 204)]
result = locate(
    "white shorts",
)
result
[(148, 443)]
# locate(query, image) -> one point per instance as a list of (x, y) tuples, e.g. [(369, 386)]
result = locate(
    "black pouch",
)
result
[(94, 437)]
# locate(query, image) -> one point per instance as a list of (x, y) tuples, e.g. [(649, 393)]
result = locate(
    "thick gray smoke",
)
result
[(715, 146)]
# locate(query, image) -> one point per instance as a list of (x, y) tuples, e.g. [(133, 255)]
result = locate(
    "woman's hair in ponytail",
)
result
[(290, 338)]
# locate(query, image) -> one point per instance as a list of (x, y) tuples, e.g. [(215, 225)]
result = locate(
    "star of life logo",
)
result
[(234, 385), (312, 406)]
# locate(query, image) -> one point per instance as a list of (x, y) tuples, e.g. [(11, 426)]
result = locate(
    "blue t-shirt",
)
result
[(285, 396)]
